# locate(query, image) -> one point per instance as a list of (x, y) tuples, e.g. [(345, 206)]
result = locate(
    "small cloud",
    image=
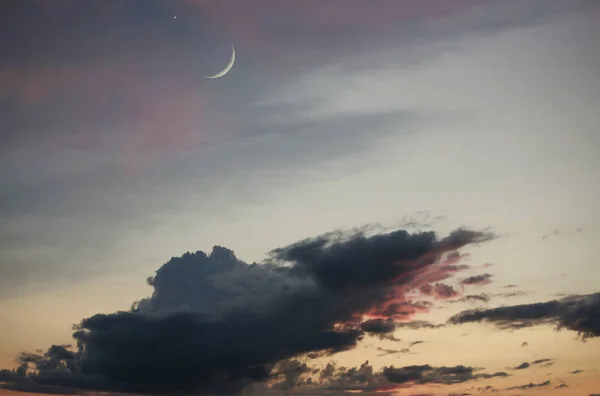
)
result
[(412, 344), (442, 375), (524, 344), (511, 294), (541, 361), (30, 387), (439, 290), (576, 372), (419, 324), (477, 280), (363, 378), (473, 298), (521, 366), (561, 386), (378, 326), (553, 233), (530, 386), (386, 352)]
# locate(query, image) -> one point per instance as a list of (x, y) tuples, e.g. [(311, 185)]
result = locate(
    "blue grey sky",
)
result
[(117, 154)]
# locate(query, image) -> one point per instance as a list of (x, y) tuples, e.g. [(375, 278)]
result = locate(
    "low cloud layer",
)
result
[(440, 375), (364, 379), (216, 324), (539, 362), (530, 386), (575, 313)]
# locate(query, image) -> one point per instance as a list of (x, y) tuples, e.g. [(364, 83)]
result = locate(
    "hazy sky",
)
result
[(117, 154)]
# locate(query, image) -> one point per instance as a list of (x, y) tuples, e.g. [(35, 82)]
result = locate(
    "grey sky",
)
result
[(470, 112)]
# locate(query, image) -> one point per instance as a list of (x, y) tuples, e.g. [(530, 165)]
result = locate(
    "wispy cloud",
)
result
[(477, 280), (576, 313), (530, 385)]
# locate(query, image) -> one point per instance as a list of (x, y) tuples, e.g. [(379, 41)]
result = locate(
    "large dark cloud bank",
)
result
[(216, 324)]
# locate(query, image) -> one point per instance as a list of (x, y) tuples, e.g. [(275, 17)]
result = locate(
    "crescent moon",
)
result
[(227, 68)]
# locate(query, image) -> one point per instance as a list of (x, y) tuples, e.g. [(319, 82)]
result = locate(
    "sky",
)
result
[(389, 198)]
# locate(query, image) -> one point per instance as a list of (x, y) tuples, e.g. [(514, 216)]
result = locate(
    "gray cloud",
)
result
[(576, 313), (482, 298), (219, 323), (363, 378), (378, 326), (419, 324), (521, 366), (511, 294), (530, 385), (443, 375), (478, 280), (385, 351), (439, 290), (30, 387), (540, 362)]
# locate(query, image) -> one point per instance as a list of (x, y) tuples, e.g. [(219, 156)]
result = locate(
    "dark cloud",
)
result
[(412, 344), (215, 323), (521, 366), (576, 313), (540, 362), (511, 294), (576, 372), (31, 387), (385, 351), (478, 280), (291, 373), (419, 324), (439, 290), (530, 385), (524, 344), (8, 375), (441, 375), (363, 378), (378, 326), (561, 386), (483, 298)]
